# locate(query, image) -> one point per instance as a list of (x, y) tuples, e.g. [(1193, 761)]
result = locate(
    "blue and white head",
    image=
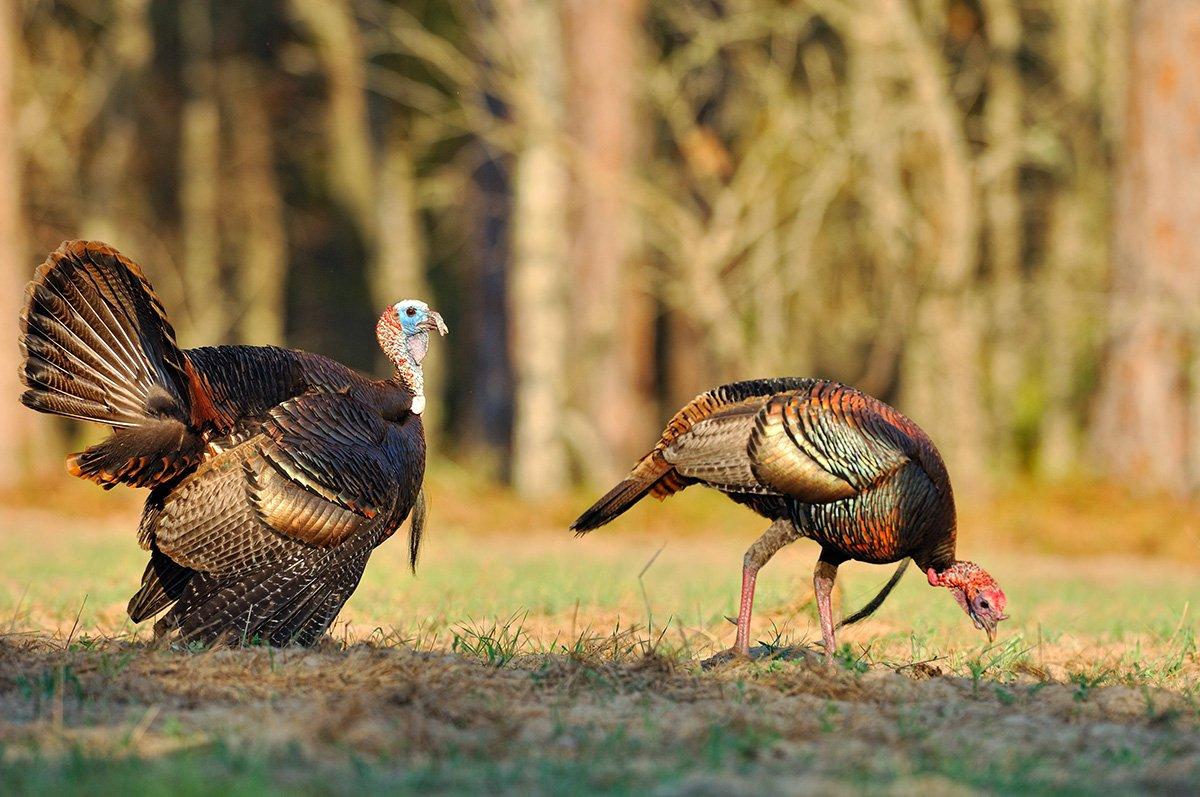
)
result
[(403, 332)]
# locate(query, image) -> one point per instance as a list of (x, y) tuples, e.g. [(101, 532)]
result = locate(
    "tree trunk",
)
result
[(878, 139), (339, 47), (259, 230), (400, 273), (14, 418), (942, 371), (1066, 259), (350, 171), (537, 296), (1002, 206), (484, 417), (199, 160), (612, 317), (128, 43), (688, 372), (1077, 252), (1146, 429)]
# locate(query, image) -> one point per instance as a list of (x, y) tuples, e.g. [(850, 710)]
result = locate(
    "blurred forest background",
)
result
[(984, 211)]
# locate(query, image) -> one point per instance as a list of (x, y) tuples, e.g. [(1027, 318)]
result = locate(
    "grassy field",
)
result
[(520, 659)]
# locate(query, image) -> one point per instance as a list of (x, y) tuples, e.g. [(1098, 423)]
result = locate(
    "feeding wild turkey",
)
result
[(819, 460), (273, 473)]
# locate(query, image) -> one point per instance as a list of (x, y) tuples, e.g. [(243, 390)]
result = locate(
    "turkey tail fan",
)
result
[(416, 529), (877, 601), (96, 343)]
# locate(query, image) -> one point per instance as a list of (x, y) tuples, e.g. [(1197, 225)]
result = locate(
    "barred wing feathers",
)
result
[(321, 471), (827, 443), (810, 440), (656, 475)]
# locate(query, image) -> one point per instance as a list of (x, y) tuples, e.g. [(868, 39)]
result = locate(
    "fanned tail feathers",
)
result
[(96, 345), (95, 341)]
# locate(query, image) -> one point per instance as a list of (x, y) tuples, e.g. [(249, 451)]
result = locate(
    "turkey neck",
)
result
[(406, 352), (939, 555)]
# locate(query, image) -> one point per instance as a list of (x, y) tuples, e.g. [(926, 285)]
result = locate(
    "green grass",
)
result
[(468, 582), (230, 772), (548, 664), (614, 762)]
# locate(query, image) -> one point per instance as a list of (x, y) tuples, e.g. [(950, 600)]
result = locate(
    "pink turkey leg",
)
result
[(823, 578), (742, 645)]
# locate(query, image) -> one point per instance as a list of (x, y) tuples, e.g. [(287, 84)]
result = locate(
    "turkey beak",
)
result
[(988, 625), (433, 323), (991, 629)]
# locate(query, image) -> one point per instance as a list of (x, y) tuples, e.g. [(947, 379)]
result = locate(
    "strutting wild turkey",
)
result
[(273, 473), (819, 460)]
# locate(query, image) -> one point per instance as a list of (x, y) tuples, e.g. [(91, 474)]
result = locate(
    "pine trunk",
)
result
[(200, 160), (339, 48), (400, 273), (613, 337), (1147, 429), (1002, 208), (260, 236), (942, 372), (14, 418), (537, 274)]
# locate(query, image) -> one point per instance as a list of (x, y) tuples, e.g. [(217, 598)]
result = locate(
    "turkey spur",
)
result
[(819, 460), (273, 473)]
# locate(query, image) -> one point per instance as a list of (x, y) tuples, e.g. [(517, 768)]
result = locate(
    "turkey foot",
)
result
[(727, 656), (764, 653)]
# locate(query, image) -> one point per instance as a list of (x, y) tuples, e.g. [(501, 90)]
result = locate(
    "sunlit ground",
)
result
[(1097, 636)]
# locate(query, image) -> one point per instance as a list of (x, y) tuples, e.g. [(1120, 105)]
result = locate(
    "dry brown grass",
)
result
[(622, 720), (521, 660)]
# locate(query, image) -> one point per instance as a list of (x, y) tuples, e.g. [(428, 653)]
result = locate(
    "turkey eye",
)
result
[(983, 604), (410, 312)]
